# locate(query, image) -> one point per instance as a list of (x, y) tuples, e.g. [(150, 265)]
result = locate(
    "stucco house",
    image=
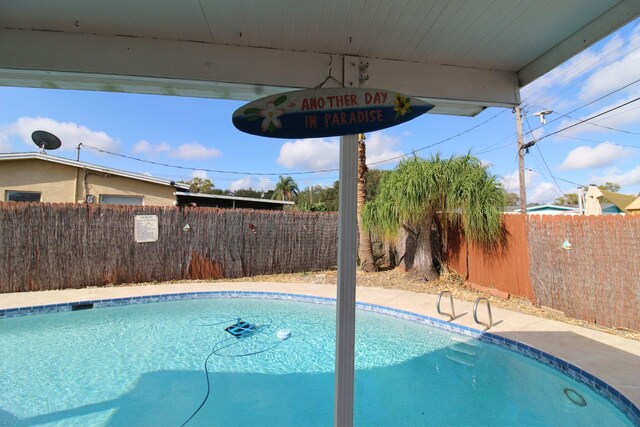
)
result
[(40, 177)]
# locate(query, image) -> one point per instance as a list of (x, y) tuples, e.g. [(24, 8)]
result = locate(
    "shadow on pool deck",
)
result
[(432, 389)]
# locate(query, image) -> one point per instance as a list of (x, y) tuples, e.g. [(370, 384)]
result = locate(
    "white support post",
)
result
[(347, 247)]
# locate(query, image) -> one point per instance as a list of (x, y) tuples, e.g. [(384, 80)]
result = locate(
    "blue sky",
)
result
[(198, 133)]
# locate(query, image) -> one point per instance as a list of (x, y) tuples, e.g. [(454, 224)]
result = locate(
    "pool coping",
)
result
[(618, 399)]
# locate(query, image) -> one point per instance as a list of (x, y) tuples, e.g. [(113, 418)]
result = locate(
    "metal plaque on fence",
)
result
[(146, 228)]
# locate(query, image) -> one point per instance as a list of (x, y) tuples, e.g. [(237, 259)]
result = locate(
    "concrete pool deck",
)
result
[(613, 359)]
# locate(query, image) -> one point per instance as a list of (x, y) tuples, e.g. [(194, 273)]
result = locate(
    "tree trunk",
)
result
[(365, 248), (423, 265)]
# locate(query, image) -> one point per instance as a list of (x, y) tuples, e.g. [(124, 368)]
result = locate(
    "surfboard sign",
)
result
[(318, 113)]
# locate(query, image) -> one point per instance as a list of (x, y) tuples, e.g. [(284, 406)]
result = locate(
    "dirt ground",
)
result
[(399, 279)]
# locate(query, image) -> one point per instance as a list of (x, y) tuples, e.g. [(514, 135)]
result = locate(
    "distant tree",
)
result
[(610, 186), (200, 185), (313, 207), (571, 199), (568, 199), (318, 195), (512, 198), (286, 189), (254, 194), (332, 196)]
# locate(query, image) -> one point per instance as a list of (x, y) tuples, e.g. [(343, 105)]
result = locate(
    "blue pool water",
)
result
[(144, 365)]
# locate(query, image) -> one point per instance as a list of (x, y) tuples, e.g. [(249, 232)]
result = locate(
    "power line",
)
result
[(515, 160), (292, 173), (542, 157), (205, 169), (593, 102), (598, 125), (588, 119), (598, 142), (489, 149), (561, 179), (442, 141), (549, 170)]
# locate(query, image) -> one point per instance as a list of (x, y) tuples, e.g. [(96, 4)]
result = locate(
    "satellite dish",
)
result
[(45, 140)]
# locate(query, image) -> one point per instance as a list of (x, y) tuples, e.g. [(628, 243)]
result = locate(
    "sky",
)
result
[(197, 135)]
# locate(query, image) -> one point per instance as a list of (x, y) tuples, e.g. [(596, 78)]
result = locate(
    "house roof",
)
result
[(635, 205), (83, 165), (549, 207), (621, 201), (463, 56), (246, 199)]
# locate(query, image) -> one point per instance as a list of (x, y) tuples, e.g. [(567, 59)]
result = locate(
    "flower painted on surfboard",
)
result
[(270, 114), (402, 105)]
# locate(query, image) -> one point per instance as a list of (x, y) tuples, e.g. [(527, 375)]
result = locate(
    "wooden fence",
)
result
[(505, 268), (597, 280), (58, 246)]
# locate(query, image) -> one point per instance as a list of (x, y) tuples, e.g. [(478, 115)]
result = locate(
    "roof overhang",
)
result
[(88, 166), (461, 56), (223, 197)]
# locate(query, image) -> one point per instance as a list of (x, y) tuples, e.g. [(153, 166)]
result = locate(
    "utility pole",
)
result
[(523, 192)]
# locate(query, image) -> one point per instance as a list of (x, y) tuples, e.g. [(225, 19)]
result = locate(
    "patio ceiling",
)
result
[(461, 55)]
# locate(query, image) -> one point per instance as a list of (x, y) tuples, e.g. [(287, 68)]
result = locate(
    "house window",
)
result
[(107, 199), (23, 196)]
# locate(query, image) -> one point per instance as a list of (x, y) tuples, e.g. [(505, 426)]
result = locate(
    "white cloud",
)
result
[(239, 184), (617, 52), (593, 157), (312, 154), (543, 193), (486, 164), (150, 149), (511, 182), (323, 153), (199, 174), (623, 178), (381, 146), (537, 133), (71, 134), (263, 184), (194, 151), (612, 76)]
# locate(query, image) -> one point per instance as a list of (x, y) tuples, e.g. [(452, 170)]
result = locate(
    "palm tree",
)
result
[(286, 189), (367, 263), (422, 194)]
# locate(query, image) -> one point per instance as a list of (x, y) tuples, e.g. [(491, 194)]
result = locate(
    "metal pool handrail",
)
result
[(475, 312), (453, 313)]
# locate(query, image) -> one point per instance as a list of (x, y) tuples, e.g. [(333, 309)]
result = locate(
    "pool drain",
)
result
[(575, 397)]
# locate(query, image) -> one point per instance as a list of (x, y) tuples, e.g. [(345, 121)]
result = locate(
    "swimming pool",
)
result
[(143, 365)]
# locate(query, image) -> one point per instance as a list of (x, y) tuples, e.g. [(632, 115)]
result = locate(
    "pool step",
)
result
[(464, 348), (465, 340), (463, 352), (460, 360)]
